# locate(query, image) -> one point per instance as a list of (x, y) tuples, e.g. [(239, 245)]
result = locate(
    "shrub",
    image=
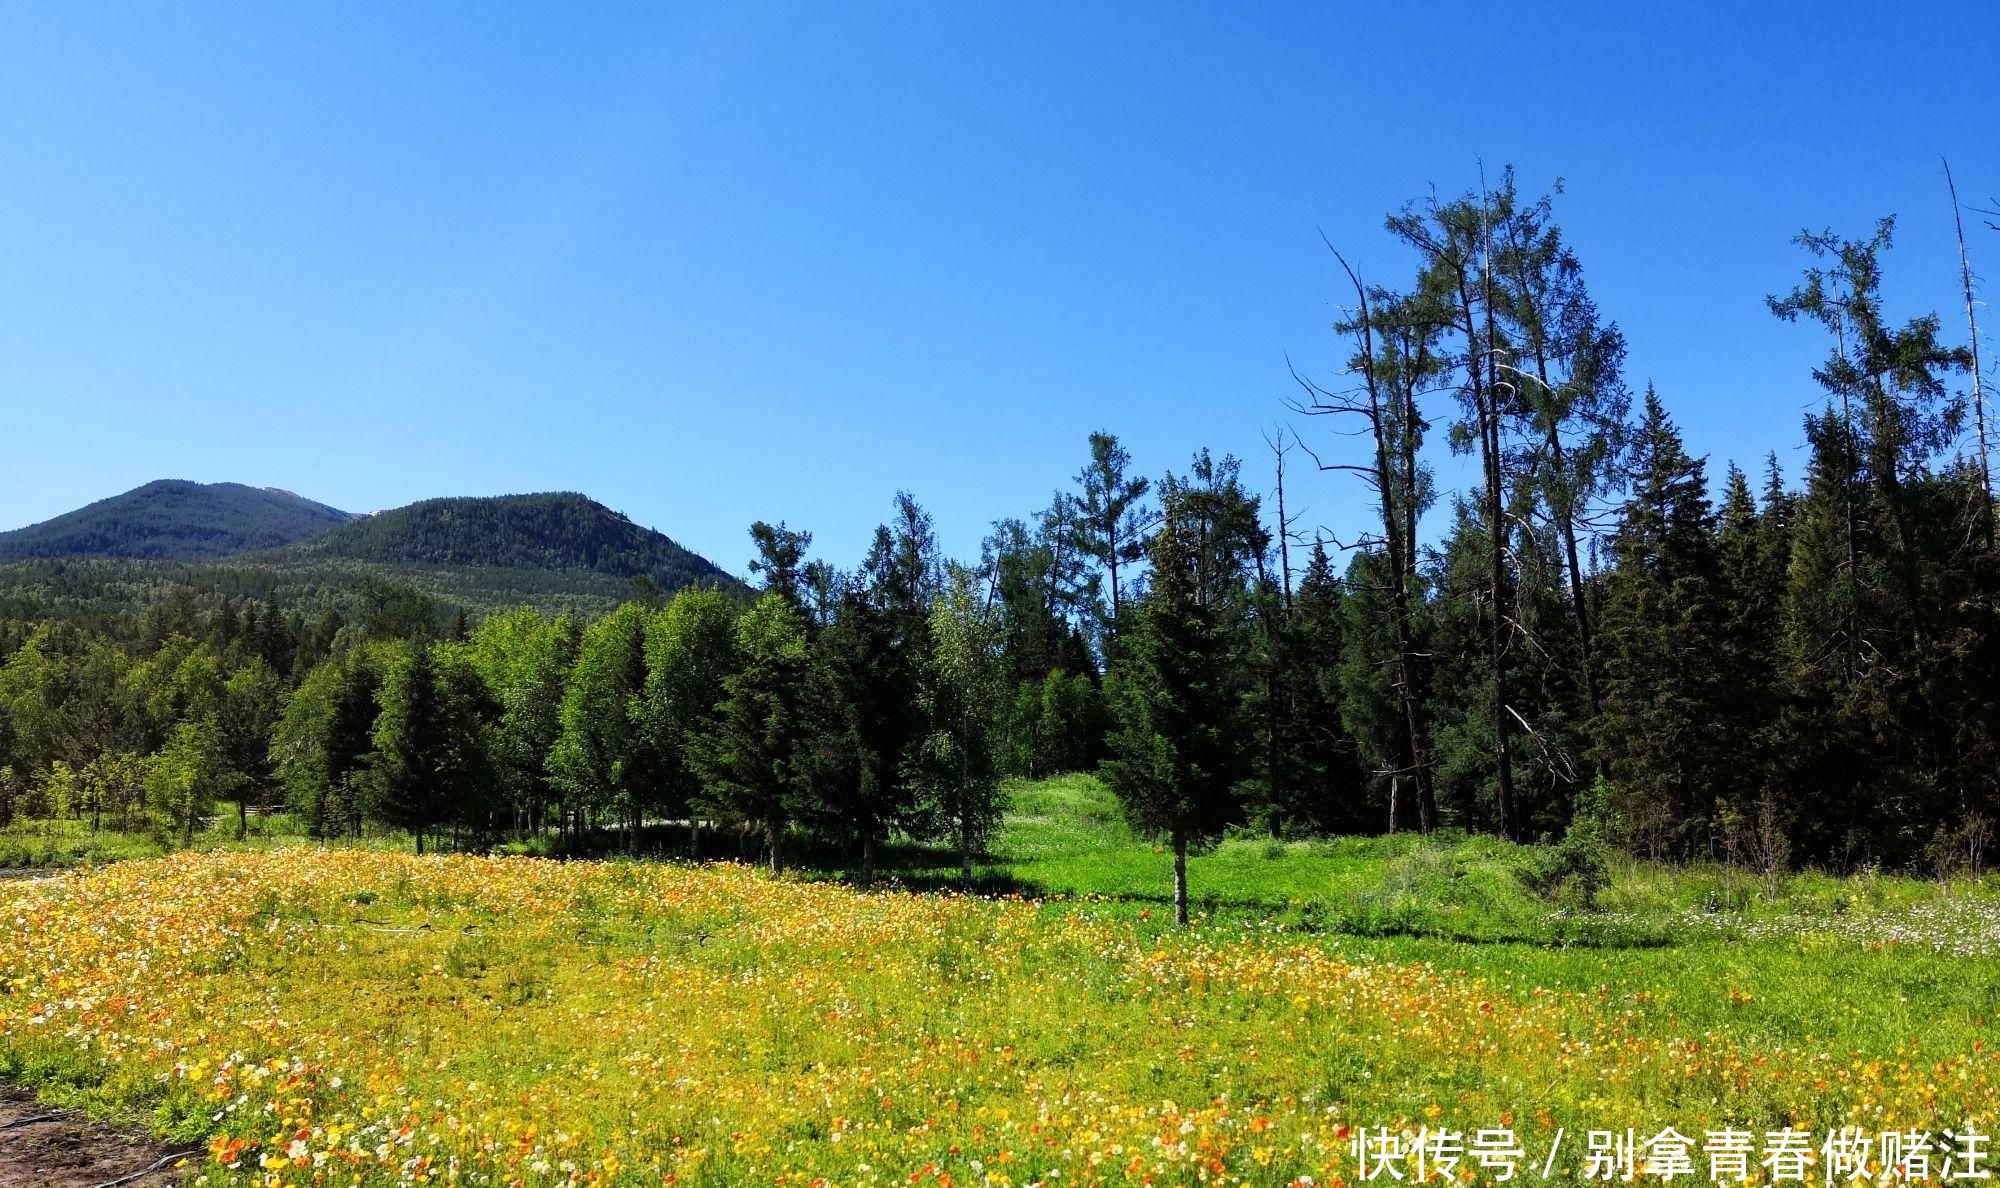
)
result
[(1577, 869)]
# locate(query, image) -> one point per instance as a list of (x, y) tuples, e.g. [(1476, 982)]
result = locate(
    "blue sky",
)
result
[(710, 264)]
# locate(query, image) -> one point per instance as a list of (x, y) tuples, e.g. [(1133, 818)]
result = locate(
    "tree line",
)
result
[(1588, 635)]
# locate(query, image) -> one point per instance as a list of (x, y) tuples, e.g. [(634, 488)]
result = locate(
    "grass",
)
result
[(1065, 838), (322, 1016), (44, 845)]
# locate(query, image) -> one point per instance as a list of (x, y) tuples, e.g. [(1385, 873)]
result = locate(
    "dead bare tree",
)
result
[(1972, 339), (1287, 532), (1386, 404)]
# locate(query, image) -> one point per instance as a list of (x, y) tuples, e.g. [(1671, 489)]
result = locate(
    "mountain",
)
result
[(175, 520), (556, 533), (554, 551)]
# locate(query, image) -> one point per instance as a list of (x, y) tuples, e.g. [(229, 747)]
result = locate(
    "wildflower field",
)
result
[(309, 1016)]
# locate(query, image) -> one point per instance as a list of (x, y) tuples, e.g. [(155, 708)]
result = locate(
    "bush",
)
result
[(1577, 869)]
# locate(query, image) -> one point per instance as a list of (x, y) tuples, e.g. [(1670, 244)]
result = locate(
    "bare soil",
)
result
[(42, 1147)]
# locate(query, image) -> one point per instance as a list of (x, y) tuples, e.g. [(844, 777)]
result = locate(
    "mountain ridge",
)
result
[(553, 550), (175, 520), (554, 531)]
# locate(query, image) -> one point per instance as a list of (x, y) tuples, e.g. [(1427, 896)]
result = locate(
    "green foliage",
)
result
[(957, 765), (186, 779), (321, 743), (1178, 691), (1577, 869), (750, 756), (1054, 724), (558, 533), (1793, 677), (1660, 730), (525, 659), (603, 760), (431, 744)]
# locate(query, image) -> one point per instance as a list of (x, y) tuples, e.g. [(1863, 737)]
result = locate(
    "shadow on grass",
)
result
[(898, 865), (904, 866)]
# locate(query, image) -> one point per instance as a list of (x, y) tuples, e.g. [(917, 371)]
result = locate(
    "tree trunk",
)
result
[(1112, 565), (1397, 495), (1180, 879), (964, 859), (773, 830), (868, 859), (1486, 404), (420, 840), (1565, 518), (1978, 386)]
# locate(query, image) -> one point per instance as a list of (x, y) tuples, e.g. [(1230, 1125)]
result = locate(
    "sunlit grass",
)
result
[(317, 1015), (322, 1015)]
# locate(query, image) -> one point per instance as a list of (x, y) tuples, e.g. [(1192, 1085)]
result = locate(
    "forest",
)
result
[(1597, 642)]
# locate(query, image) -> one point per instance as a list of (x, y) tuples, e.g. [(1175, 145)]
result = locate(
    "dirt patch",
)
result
[(45, 1148)]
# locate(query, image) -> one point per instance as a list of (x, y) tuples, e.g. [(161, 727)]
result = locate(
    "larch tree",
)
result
[(1112, 516), (1396, 359)]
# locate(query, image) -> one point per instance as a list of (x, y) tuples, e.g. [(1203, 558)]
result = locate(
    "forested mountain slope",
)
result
[(555, 551), (176, 520), (556, 532)]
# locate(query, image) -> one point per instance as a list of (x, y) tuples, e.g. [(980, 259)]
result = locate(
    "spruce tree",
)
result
[(414, 778), (1180, 687), (1662, 640), (1321, 781), (750, 755)]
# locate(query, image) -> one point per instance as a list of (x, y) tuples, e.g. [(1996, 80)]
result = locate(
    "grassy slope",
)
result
[(1869, 962)]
